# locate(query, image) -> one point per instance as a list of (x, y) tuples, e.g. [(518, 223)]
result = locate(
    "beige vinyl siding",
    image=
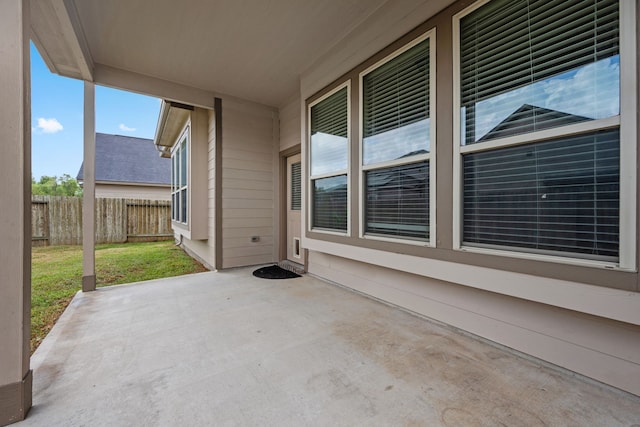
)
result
[(121, 191), (290, 125), (602, 349), (248, 198)]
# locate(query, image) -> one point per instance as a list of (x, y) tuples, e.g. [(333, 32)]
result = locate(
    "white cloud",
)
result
[(126, 128), (49, 125)]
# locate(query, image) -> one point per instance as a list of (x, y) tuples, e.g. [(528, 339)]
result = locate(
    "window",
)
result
[(539, 118), (179, 193), (397, 138), (296, 180), (329, 160)]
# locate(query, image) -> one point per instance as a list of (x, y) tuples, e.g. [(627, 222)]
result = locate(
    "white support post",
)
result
[(15, 215), (89, 191)]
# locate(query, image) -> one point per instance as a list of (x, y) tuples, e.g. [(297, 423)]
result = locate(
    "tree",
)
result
[(56, 186)]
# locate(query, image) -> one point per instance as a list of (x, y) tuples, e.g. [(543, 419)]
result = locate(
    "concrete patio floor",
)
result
[(229, 349)]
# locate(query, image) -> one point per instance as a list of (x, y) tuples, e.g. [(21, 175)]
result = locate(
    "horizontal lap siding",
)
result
[(247, 184), (118, 191), (599, 348)]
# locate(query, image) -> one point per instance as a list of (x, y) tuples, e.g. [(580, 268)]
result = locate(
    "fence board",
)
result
[(111, 221), (148, 220), (58, 220), (65, 221), (39, 221)]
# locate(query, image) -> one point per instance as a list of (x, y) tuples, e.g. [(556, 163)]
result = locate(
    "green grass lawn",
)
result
[(57, 274)]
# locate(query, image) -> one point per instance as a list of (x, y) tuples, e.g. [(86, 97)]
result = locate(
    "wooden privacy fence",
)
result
[(58, 220)]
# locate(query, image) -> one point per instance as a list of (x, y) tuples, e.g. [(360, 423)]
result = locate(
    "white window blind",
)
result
[(396, 107), (529, 65), (330, 203), (525, 66), (398, 201), (329, 139), (329, 146), (396, 128), (296, 179), (560, 195)]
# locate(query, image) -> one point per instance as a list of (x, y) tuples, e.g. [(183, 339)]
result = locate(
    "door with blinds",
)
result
[(294, 206)]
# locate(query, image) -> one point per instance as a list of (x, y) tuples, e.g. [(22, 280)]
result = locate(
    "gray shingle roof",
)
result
[(128, 159)]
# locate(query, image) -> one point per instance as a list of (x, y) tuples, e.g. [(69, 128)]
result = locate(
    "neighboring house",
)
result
[(531, 238), (129, 168), (531, 118)]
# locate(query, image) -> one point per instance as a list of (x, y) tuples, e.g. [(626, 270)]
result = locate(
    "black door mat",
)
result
[(274, 272)]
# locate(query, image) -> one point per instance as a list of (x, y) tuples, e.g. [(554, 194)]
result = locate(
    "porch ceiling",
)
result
[(255, 50)]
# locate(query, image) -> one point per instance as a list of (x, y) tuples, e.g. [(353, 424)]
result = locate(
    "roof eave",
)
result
[(60, 39), (171, 120)]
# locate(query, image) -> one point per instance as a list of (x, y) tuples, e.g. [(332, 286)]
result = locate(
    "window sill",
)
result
[(581, 262), (399, 240), (330, 232)]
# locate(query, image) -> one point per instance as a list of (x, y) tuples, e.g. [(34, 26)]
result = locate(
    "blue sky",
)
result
[(57, 106)]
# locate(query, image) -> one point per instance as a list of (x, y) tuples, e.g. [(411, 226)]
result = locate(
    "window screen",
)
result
[(179, 187), (296, 177), (330, 203), (398, 201), (396, 107), (529, 65), (329, 142), (560, 195), (329, 162), (396, 127)]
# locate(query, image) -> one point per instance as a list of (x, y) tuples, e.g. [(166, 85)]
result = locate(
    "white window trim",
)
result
[(628, 129), (311, 178), (626, 120), (184, 134), (431, 156)]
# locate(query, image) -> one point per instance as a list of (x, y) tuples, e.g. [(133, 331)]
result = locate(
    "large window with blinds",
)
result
[(539, 142), (397, 137), (179, 188), (329, 161)]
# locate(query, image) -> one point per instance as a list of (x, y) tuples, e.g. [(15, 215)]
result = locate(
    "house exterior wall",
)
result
[(121, 191), (290, 125), (594, 346), (249, 138), (583, 318)]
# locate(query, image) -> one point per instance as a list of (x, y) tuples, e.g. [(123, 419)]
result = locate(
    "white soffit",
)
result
[(58, 35)]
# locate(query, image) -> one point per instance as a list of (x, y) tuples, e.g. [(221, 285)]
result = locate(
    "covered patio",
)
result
[(242, 80), (226, 348)]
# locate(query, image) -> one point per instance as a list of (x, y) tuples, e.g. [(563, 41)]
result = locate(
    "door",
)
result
[(294, 207)]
